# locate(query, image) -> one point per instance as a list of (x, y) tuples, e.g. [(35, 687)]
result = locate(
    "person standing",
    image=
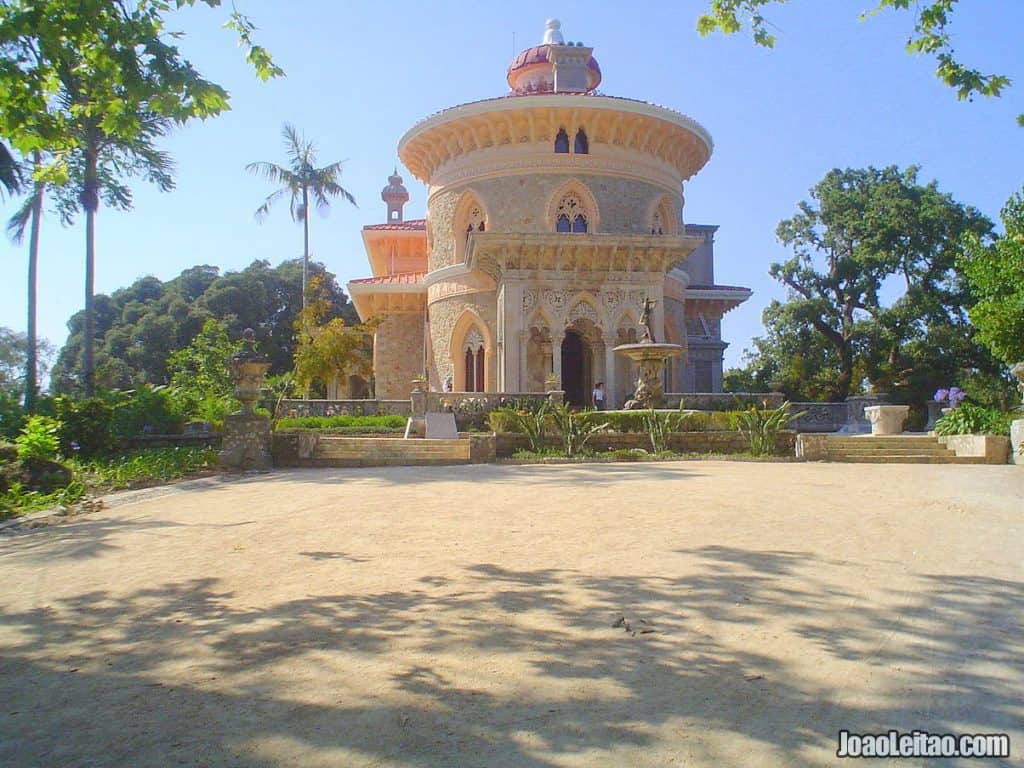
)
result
[(597, 396)]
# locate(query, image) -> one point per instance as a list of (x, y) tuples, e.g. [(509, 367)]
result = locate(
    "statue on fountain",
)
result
[(645, 322)]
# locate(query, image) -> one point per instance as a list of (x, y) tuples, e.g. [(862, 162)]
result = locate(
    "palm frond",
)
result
[(18, 223), (333, 189), (273, 197), (273, 172), (10, 171)]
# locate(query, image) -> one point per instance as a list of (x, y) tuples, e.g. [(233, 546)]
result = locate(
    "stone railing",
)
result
[(820, 417), (471, 408), (299, 408), (722, 401)]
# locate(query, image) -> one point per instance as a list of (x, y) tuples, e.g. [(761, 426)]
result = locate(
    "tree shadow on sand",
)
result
[(183, 672)]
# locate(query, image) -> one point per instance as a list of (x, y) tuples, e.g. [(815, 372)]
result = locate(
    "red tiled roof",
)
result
[(402, 278), (403, 226), (718, 288)]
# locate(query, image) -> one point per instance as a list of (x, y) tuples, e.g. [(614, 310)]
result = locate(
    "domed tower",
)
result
[(395, 195), (552, 214)]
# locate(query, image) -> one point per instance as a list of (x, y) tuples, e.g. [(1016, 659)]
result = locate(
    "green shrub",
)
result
[(85, 426), (147, 409), (658, 426), (38, 440), (335, 423), (761, 426), (970, 419), (534, 423), (12, 417), (574, 428)]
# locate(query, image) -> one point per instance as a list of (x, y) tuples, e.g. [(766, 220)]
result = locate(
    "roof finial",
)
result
[(552, 33)]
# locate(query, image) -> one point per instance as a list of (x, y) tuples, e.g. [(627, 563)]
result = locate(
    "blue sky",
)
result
[(834, 92)]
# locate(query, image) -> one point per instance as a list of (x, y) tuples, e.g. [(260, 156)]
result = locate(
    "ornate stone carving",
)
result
[(557, 299), (582, 310), (529, 299)]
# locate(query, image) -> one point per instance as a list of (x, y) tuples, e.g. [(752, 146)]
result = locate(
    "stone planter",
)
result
[(887, 419), (1017, 442)]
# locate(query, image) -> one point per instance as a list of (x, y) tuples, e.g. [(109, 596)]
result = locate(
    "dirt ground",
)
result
[(687, 613)]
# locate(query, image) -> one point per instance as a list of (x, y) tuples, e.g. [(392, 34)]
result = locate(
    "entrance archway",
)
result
[(577, 376)]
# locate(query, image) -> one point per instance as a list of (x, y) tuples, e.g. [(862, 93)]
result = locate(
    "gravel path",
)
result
[(686, 613)]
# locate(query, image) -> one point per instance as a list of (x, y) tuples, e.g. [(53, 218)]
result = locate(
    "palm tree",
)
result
[(10, 172), (29, 217), (303, 181)]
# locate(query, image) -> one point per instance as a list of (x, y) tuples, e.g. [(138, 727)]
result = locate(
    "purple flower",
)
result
[(956, 396), (147, 429), (75, 446), (940, 395)]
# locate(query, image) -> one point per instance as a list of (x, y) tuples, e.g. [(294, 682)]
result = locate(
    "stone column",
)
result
[(556, 355), (522, 375), (609, 372)]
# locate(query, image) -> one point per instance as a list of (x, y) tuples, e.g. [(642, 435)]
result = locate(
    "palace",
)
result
[(552, 213)]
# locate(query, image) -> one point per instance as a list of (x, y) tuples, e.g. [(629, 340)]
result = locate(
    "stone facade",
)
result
[(551, 216), (398, 354)]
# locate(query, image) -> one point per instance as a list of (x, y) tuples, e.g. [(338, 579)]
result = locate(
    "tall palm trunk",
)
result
[(305, 243), (31, 353), (90, 202)]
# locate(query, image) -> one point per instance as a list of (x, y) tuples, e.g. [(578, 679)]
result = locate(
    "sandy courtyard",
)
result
[(464, 617)]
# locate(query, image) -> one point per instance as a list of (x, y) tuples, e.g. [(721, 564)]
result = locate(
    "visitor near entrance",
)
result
[(554, 233), (597, 396)]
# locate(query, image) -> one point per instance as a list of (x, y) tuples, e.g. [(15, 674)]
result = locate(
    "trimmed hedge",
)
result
[(351, 425)]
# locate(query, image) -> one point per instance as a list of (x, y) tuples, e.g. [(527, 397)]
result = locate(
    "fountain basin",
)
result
[(651, 356)]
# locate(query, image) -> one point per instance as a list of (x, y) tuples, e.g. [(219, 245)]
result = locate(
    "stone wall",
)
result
[(520, 204), (397, 355), (444, 314), (300, 408)]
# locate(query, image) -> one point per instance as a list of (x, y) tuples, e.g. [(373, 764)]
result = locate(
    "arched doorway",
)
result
[(577, 376)]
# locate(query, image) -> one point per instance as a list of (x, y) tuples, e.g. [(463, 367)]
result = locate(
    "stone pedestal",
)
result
[(1017, 442), (245, 442), (887, 419), (856, 421)]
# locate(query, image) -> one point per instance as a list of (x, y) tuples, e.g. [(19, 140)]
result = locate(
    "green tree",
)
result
[(328, 348), (201, 369), (304, 183), (995, 273), (931, 37), (863, 234), (95, 84), (29, 217)]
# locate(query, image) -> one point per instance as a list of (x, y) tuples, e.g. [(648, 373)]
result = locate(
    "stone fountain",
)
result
[(651, 356)]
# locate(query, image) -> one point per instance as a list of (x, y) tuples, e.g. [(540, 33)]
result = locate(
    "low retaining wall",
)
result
[(302, 408), (995, 449), (507, 443), (723, 401)]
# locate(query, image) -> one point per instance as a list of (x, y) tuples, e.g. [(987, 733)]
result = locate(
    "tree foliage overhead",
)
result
[(873, 292), (140, 327), (931, 37), (995, 274)]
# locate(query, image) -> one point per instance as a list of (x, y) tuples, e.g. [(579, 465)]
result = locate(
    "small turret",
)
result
[(396, 196)]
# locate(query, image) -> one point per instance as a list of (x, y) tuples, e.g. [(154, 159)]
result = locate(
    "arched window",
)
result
[(657, 225), (581, 146), (474, 361), (475, 220), (571, 215), (562, 142)]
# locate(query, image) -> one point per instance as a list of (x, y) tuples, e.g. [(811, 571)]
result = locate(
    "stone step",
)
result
[(364, 451), (881, 458), (931, 450), (891, 442)]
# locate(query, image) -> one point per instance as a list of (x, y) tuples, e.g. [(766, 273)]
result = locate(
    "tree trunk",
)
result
[(305, 243), (90, 202), (32, 352)]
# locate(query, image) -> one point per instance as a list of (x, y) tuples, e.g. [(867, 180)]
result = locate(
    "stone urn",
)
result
[(248, 369), (887, 419), (552, 384), (246, 438)]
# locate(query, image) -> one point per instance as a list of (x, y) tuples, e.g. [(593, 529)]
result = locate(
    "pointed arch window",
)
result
[(476, 221), (562, 142), (473, 351), (571, 215), (581, 146)]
